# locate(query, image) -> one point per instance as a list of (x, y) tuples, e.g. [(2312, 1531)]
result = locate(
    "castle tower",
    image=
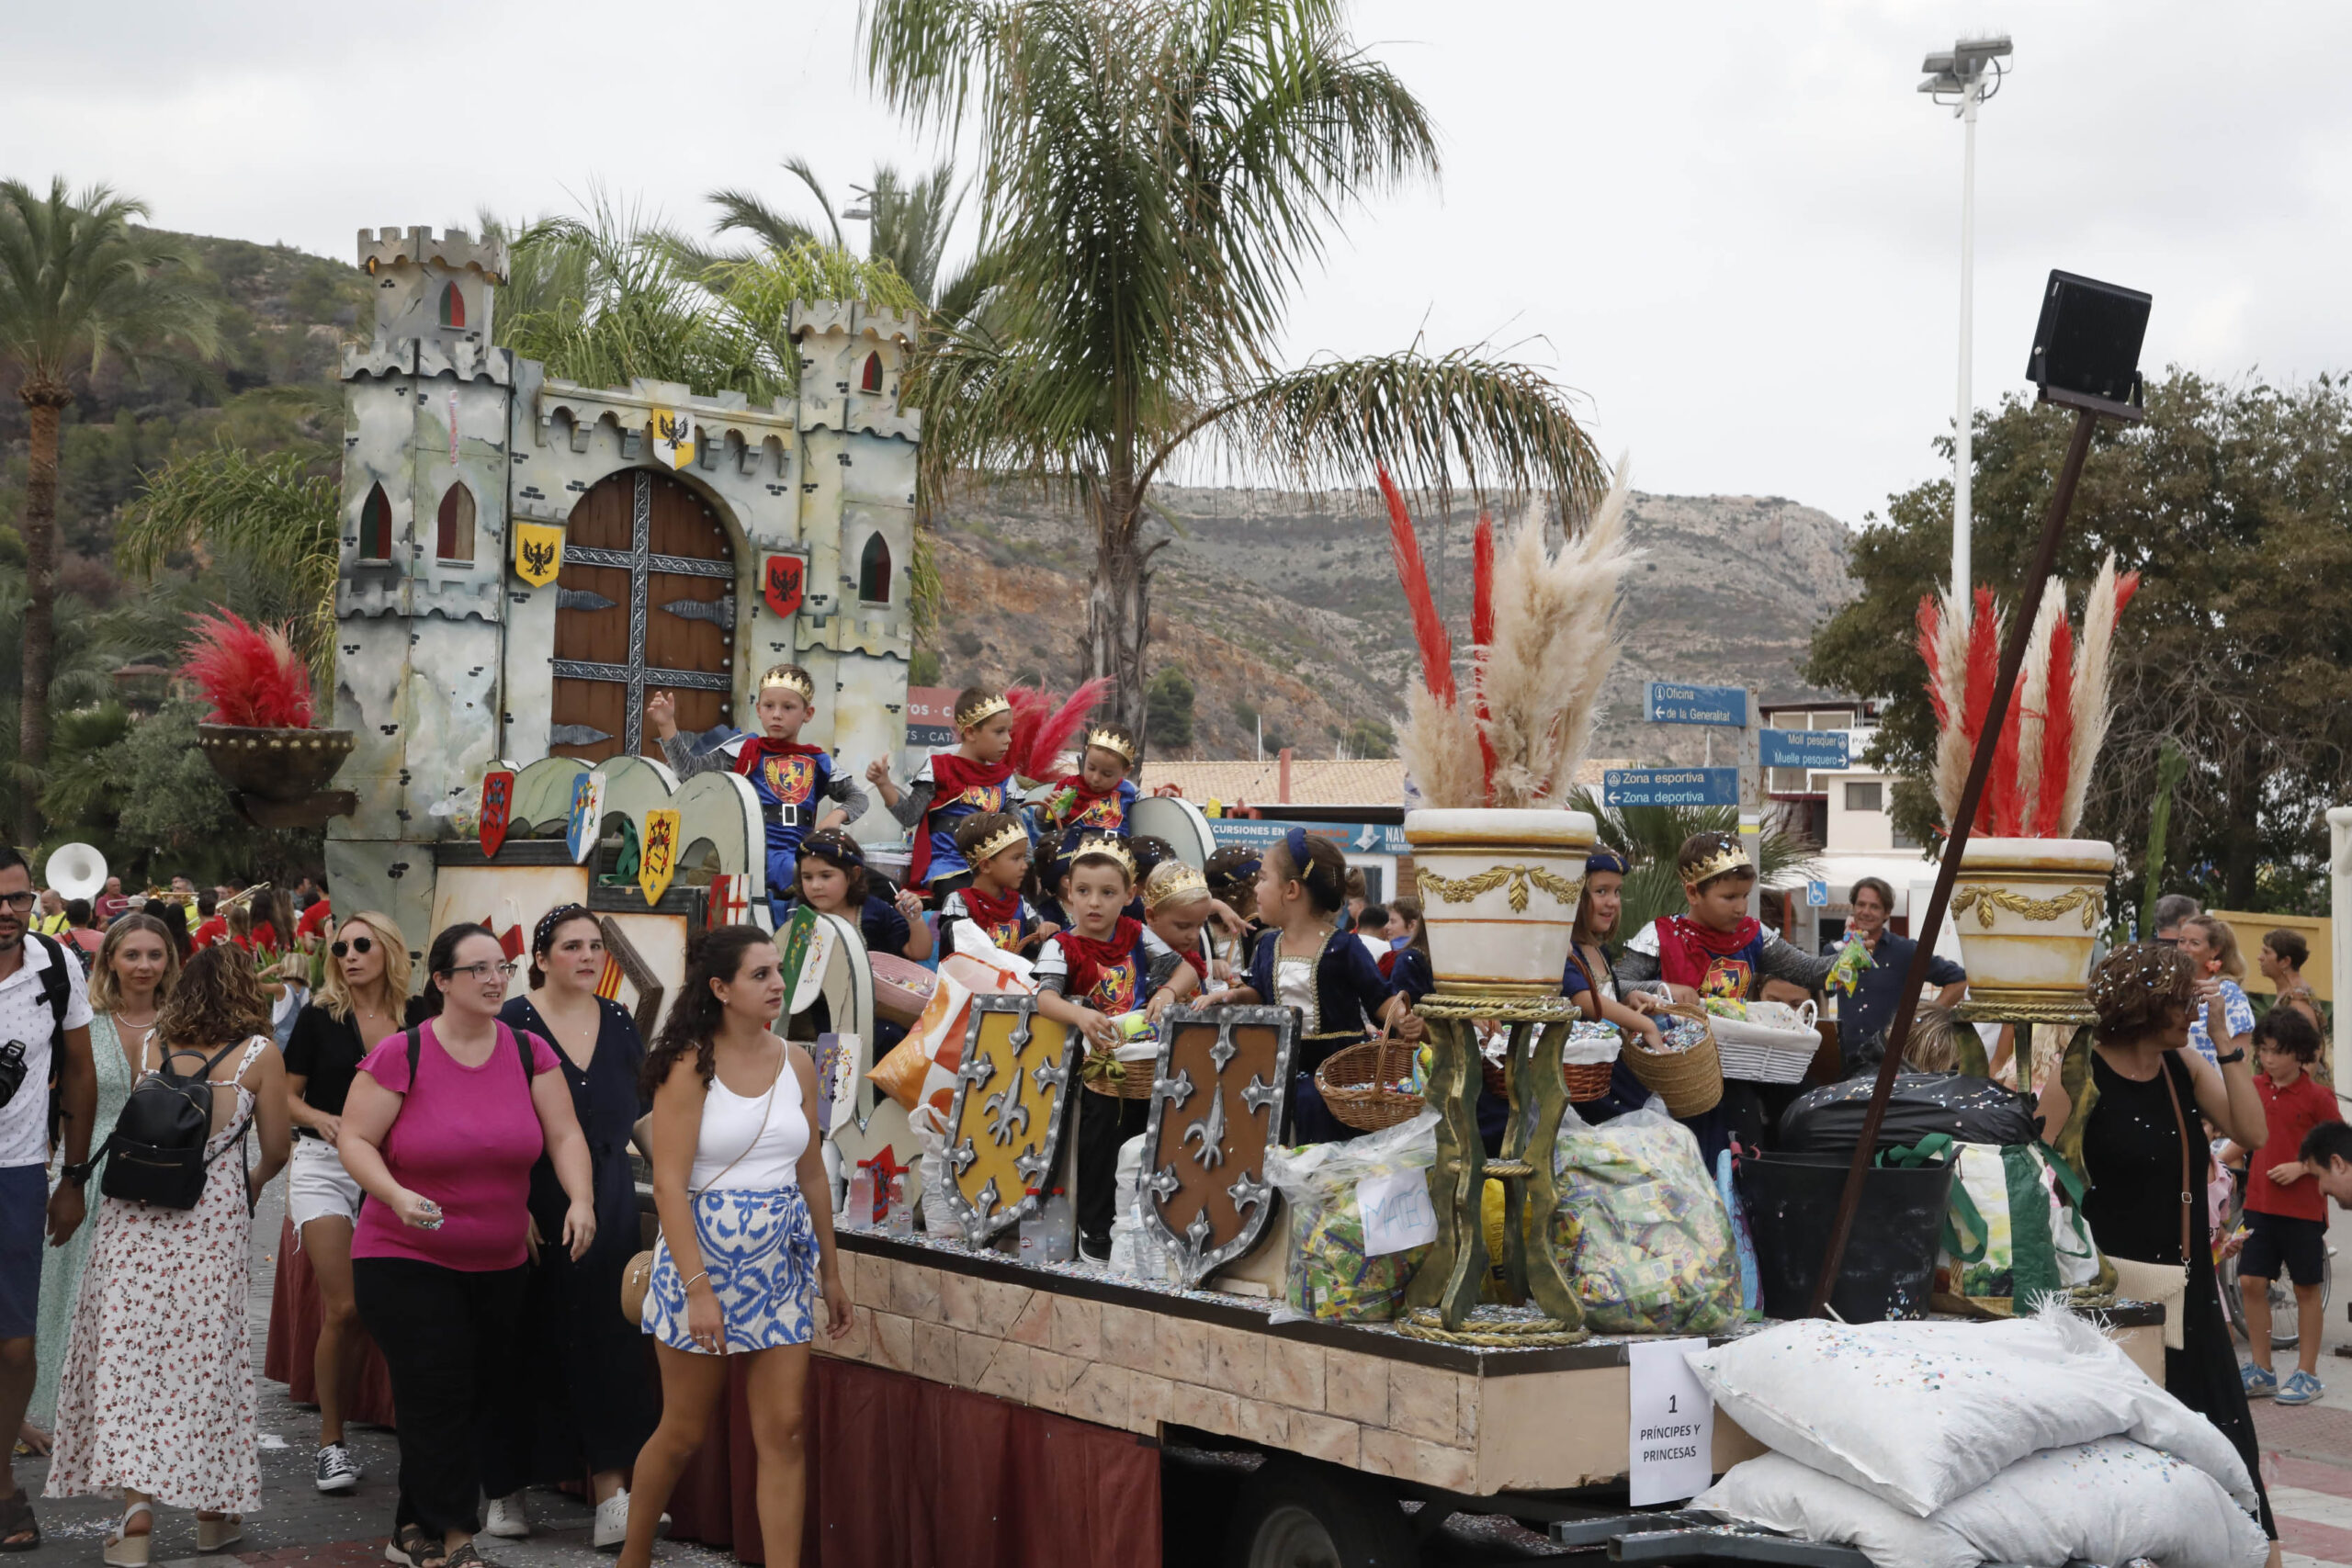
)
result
[(418, 603)]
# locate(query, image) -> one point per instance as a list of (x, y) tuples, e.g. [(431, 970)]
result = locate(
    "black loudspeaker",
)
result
[(2087, 346)]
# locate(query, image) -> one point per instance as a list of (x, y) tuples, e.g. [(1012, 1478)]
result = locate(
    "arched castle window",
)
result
[(453, 539), (873, 571), (453, 307), (376, 527), (871, 381)]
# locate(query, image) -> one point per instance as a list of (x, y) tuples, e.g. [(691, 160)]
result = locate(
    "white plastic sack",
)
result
[(1919, 1413), (932, 1171), (1641, 1228), (1328, 1273), (1136, 1252), (2110, 1501)]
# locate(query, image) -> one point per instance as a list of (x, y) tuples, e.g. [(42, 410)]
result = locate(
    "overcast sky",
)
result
[(1731, 228)]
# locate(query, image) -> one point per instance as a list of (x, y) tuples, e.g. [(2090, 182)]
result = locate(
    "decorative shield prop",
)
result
[(539, 553), (674, 437), (587, 817), (730, 901), (783, 579), (657, 860), (1004, 1129), (497, 807), (1215, 1107)]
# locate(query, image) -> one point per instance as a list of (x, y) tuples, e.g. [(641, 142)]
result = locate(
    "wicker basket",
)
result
[(1358, 1084), (1691, 1082), (1133, 1084), (1586, 1080)]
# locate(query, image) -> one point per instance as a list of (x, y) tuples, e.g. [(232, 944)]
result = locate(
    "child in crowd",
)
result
[(1372, 930), (1305, 961), (833, 881), (2285, 1213), (952, 785), (794, 783), (1088, 975), (1358, 894), (996, 848), (1176, 909), (1097, 797), (1050, 878)]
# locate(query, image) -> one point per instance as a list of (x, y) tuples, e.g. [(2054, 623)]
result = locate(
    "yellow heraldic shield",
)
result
[(656, 857), (539, 553), (674, 437)]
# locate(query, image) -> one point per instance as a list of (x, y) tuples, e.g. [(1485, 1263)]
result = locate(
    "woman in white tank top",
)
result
[(747, 1233)]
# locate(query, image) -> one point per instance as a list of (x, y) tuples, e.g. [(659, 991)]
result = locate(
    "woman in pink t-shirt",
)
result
[(441, 1135)]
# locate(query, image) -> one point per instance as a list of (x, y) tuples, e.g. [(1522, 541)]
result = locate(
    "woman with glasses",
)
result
[(441, 1129), (589, 1403), (362, 998)]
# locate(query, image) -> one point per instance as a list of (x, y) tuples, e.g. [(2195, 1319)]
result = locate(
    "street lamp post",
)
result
[(1964, 78)]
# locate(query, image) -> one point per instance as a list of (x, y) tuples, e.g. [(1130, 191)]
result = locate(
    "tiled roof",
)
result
[(1313, 781)]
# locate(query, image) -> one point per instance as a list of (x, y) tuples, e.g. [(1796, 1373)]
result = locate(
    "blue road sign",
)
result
[(1817, 895), (1670, 786), (1826, 749), (1354, 838), (1672, 704)]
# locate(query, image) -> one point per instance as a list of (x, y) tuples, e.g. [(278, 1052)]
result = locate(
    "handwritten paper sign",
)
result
[(1670, 1443), (1396, 1212)]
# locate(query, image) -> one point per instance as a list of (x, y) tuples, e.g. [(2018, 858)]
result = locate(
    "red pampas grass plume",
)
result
[(2057, 732), (1482, 638), (1983, 664), (250, 675), (1412, 573), (1930, 624), (1042, 731)]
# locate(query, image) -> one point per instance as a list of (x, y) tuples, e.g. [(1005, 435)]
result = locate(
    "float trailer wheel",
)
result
[(1296, 1512)]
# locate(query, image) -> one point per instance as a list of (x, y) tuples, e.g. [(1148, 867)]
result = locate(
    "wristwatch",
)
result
[(2236, 1055)]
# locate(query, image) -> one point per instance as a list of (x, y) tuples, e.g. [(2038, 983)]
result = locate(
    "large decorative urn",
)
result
[(2028, 913), (278, 778), (1499, 890)]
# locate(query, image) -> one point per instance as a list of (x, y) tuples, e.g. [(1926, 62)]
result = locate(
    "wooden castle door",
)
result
[(645, 602)]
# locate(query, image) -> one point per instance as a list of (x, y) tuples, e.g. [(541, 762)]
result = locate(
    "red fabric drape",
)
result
[(908, 1473), (294, 1340)]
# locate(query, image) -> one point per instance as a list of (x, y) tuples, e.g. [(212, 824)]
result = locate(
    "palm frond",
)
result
[(1648, 838), (78, 283)]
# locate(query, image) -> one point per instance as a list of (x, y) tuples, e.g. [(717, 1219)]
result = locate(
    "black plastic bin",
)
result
[(1890, 1263)]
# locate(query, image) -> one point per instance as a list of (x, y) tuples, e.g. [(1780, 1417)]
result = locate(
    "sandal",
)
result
[(467, 1557), (409, 1546), (124, 1550), (19, 1531), (221, 1530)]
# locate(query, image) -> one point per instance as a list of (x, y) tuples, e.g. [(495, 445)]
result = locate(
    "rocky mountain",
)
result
[(1282, 606)]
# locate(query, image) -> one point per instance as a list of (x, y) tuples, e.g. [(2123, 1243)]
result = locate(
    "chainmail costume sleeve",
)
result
[(1637, 967), (846, 793), (913, 801), (1782, 961), (678, 752)]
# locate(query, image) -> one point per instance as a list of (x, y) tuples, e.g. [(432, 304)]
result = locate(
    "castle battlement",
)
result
[(454, 251)]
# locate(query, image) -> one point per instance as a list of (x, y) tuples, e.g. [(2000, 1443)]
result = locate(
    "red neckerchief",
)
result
[(758, 746), (951, 774), (991, 913), (1084, 797), (1685, 948), (1086, 958)]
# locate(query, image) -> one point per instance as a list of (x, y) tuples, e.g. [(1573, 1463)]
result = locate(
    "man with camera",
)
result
[(44, 1013)]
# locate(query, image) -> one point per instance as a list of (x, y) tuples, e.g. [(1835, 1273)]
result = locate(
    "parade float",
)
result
[(525, 560)]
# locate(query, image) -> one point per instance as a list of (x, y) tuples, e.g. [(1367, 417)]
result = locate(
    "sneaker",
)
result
[(2259, 1384), (611, 1523), (337, 1473), (2302, 1388), (504, 1519)]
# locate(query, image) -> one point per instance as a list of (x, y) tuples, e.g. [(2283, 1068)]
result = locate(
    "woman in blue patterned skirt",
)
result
[(747, 1233)]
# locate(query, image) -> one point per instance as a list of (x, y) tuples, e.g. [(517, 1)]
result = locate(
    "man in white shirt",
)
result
[(39, 1019)]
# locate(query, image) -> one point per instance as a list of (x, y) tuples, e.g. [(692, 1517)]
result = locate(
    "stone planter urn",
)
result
[(278, 777), (1499, 890), (2028, 913)]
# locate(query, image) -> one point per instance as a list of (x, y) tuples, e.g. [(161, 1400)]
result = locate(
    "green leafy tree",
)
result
[(1648, 838), (1170, 712), (1160, 175), (2230, 501), (172, 817), (77, 283)]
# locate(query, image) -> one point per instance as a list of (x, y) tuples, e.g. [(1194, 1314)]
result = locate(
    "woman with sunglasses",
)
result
[(441, 1129), (362, 998)]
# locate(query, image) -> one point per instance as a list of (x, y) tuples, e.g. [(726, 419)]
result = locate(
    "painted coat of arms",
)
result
[(1216, 1105), (1004, 1127), (586, 818), (497, 808), (783, 579), (657, 860)]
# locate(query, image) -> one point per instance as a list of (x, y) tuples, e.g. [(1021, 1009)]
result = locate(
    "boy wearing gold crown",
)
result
[(793, 782), (1097, 797), (970, 780)]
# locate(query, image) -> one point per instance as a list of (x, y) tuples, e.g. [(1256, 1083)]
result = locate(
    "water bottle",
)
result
[(900, 1220), (1061, 1227), (859, 1214)]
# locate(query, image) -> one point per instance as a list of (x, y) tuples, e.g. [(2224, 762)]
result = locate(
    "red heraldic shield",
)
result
[(497, 805), (783, 582)]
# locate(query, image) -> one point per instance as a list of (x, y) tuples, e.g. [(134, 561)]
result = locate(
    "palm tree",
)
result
[(76, 284), (1160, 175), (908, 222), (1647, 839)]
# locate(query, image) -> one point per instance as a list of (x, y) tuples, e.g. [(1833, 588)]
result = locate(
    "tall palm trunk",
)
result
[(45, 402), (1118, 607)]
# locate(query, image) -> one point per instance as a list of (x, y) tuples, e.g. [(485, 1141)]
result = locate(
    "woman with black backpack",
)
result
[(441, 1128), (156, 1398)]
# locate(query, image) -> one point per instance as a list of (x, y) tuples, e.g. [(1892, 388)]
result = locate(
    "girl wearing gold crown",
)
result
[(792, 781), (952, 785), (1097, 797), (1176, 905)]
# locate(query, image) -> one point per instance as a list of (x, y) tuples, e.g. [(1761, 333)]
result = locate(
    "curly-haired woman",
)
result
[(2148, 1163), (747, 1233), (157, 1395)]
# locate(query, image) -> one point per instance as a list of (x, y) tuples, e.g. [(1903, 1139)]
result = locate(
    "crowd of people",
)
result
[(458, 1148)]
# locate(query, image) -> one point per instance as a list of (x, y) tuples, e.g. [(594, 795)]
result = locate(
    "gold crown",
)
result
[(1110, 848), (1729, 858), (981, 711), (791, 680), (1180, 882), (996, 843), (1111, 741)]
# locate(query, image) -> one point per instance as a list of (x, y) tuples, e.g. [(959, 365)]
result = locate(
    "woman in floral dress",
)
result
[(157, 1395)]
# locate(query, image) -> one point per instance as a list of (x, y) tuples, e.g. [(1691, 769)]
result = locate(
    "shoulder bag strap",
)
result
[(2188, 1197)]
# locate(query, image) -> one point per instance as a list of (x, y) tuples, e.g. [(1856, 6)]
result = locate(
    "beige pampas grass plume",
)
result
[(1951, 773), (2033, 705)]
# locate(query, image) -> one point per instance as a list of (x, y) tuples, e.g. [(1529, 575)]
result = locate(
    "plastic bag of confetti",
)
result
[(1329, 1275), (1641, 1228)]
